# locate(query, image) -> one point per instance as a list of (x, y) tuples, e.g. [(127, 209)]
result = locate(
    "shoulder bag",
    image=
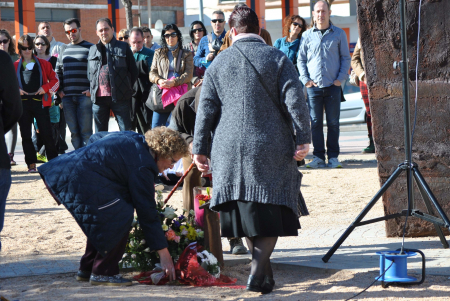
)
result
[(154, 101)]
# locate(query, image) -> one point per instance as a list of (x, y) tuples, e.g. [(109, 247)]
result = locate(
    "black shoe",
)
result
[(83, 275), (237, 246), (267, 285), (254, 284)]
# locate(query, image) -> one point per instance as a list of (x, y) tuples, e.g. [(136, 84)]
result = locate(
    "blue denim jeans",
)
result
[(330, 99), (78, 115), (159, 119), (5, 184), (121, 109)]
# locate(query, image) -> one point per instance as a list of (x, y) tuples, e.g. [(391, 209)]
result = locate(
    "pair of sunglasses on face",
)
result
[(4, 41), (168, 35), (217, 20), (297, 24), (23, 48), (75, 30), (123, 38), (197, 30)]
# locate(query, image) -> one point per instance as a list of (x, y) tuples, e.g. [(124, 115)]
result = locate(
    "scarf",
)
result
[(246, 35)]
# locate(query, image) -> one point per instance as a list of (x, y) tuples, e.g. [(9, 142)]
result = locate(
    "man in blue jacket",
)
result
[(102, 185), (323, 62)]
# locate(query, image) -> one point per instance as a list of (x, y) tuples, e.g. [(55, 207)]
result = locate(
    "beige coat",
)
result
[(358, 61), (160, 66)]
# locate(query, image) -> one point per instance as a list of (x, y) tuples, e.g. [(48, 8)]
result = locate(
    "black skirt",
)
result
[(249, 219)]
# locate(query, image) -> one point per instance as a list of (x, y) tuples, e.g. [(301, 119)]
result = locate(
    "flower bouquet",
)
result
[(193, 265), (180, 231), (201, 199)]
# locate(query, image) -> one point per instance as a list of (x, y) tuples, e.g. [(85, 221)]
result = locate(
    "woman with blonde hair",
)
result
[(109, 179)]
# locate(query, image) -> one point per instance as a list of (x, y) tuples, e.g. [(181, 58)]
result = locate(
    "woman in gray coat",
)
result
[(250, 100)]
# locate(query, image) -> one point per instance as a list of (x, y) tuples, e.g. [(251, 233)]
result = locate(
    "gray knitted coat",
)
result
[(253, 148)]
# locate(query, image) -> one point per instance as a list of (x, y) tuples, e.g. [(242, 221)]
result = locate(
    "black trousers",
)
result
[(108, 265), (62, 145), (141, 115), (38, 142), (33, 109)]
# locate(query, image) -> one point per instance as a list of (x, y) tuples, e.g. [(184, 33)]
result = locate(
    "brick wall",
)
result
[(88, 17)]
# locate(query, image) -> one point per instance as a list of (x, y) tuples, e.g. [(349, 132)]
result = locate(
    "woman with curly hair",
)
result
[(294, 27), (7, 45), (164, 63), (102, 185)]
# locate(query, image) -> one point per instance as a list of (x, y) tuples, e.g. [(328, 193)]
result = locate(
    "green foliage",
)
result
[(179, 230)]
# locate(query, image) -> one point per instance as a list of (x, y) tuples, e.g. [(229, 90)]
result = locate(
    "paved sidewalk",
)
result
[(357, 253)]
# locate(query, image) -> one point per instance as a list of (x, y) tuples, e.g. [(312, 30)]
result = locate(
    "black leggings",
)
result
[(33, 109)]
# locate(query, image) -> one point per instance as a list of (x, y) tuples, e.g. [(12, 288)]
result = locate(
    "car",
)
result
[(353, 109)]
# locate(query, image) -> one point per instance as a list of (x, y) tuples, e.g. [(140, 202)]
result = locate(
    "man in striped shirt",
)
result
[(72, 70)]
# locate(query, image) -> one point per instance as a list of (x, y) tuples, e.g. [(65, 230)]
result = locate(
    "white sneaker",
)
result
[(316, 163), (334, 163)]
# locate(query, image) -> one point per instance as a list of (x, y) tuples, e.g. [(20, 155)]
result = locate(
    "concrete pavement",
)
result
[(357, 253)]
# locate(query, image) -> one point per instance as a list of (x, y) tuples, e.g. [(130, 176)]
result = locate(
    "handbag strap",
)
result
[(177, 68), (276, 103)]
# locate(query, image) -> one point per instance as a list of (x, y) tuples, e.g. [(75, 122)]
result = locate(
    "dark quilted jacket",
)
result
[(122, 67), (101, 185)]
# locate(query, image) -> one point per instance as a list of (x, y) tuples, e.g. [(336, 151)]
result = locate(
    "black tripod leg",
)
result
[(363, 213), (426, 198)]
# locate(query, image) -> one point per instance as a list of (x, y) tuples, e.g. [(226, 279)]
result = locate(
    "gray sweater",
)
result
[(252, 149)]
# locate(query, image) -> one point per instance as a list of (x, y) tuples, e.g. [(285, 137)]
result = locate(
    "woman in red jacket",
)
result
[(37, 83)]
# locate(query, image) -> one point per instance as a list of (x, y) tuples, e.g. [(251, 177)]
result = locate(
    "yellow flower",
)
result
[(192, 234), (165, 227), (200, 203)]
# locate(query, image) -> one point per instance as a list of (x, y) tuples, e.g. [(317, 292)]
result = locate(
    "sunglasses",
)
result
[(26, 48), (75, 30), (217, 20), (40, 44), (197, 29), (168, 35), (123, 38), (4, 41), (297, 24)]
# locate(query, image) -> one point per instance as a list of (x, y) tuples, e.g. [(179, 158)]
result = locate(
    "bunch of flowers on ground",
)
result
[(180, 231)]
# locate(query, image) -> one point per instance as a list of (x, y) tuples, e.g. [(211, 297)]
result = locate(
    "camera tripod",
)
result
[(411, 169)]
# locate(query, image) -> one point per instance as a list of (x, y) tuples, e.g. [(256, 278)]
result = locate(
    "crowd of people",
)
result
[(245, 109)]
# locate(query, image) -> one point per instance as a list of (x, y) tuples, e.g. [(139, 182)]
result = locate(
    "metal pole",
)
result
[(406, 112), (149, 11), (200, 14)]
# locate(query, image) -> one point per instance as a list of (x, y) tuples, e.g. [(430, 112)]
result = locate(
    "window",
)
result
[(166, 16), (7, 13), (54, 14)]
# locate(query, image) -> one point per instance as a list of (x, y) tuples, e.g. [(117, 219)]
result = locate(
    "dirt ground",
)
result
[(35, 225)]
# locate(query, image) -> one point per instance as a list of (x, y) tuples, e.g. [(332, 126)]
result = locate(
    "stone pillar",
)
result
[(259, 7), (379, 25), (24, 18)]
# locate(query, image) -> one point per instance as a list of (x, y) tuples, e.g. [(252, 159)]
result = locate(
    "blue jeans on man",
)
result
[(121, 109), (78, 115), (5, 184), (328, 98)]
